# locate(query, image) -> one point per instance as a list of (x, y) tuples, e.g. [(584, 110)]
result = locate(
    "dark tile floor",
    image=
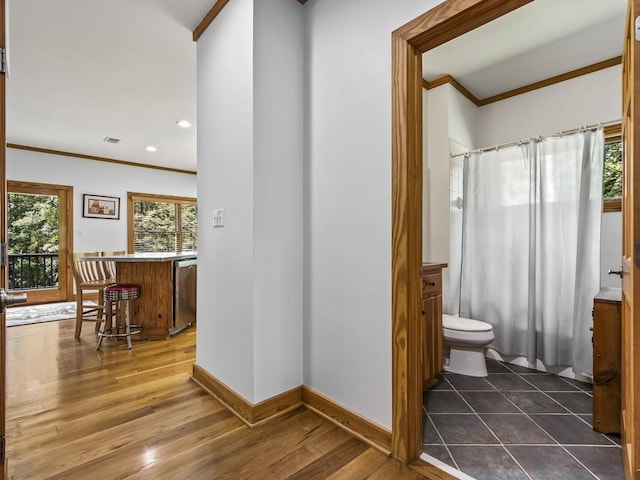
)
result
[(516, 424)]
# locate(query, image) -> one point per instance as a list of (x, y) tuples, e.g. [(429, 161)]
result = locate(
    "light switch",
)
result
[(218, 217)]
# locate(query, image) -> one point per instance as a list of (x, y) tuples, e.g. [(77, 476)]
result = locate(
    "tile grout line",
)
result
[(579, 462), (563, 446), (523, 376), (569, 411), (557, 443), (446, 447), (492, 432)]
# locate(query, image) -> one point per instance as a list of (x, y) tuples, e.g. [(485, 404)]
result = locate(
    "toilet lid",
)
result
[(464, 324)]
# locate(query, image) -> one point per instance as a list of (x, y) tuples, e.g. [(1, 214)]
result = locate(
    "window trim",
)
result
[(612, 133), (152, 197)]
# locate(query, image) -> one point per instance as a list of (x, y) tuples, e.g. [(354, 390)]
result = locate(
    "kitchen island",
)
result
[(162, 290)]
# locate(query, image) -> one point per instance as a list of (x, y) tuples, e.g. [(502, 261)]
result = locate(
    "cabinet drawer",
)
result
[(432, 285)]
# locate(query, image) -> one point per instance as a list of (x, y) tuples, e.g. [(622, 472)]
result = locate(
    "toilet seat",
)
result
[(459, 337), (464, 324), (466, 331)]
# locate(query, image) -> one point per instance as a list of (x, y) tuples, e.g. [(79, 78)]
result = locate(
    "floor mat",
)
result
[(40, 313)]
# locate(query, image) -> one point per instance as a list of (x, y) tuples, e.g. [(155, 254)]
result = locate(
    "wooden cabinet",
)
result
[(432, 359), (154, 308), (154, 273), (606, 360)]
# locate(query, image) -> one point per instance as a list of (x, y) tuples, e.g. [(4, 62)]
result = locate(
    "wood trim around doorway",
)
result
[(65, 239), (437, 26), (3, 233)]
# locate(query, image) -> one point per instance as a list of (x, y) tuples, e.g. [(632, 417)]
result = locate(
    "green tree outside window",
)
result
[(612, 173)]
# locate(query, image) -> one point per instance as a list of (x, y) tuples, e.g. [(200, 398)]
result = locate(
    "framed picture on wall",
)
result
[(98, 206)]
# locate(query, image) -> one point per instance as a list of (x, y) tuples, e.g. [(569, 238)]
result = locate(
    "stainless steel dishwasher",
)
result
[(184, 300)]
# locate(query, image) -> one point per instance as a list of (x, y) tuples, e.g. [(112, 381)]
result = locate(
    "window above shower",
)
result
[(612, 172)]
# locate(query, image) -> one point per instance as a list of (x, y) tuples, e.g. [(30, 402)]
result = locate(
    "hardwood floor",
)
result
[(75, 413)]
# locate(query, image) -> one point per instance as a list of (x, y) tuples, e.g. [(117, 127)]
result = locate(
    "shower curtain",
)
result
[(531, 246)]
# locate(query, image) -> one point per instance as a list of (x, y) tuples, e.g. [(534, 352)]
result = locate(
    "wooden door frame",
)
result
[(630, 416), (65, 235), (437, 26), (3, 238)]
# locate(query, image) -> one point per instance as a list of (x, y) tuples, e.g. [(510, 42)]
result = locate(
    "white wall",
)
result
[(347, 347), (585, 100), (278, 167), (463, 119), (250, 137), (436, 175), (611, 248), (99, 178), (225, 180), (451, 127), (435, 241), (347, 199)]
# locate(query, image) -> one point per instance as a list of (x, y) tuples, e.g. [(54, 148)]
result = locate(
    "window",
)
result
[(160, 223), (612, 172)]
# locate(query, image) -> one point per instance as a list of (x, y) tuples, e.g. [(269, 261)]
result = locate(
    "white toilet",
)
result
[(465, 340)]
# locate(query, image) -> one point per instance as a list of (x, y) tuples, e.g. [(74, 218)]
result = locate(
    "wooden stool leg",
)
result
[(78, 314)]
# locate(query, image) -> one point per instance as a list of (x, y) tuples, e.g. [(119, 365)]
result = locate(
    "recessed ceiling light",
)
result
[(151, 148), (183, 123)]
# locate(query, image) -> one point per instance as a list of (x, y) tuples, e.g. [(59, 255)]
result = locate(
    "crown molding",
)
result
[(455, 84), (98, 159), (611, 62), (213, 13), (208, 18)]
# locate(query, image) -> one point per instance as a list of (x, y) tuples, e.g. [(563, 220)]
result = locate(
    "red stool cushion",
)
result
[(121, 287), (121, 291)]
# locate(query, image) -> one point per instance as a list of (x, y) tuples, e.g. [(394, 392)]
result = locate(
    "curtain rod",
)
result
[(520, 142)]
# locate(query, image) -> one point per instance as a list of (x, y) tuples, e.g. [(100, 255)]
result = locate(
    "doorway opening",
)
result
[(443, 23), (39, 227)]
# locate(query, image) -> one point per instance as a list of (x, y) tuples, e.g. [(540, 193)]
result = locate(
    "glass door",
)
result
[(38, 241)]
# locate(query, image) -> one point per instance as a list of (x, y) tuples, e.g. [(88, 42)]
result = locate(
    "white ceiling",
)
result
[(538, 41), (82, 70)]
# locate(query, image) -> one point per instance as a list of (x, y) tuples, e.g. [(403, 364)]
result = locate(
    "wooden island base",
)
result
[(155, 274), (154, 308)]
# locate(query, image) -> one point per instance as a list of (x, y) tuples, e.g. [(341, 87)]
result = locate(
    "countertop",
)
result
[(147, 257), (429, 267), (609, 294)]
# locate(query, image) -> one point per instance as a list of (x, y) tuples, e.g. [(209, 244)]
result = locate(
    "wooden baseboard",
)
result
[(251, 414), (254, 414), (369, 432)]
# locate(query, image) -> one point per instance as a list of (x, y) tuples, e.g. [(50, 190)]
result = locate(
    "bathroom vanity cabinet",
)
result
[(606, 360), (432, 355)]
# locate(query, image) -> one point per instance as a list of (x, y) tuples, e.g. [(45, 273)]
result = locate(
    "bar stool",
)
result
[(120, 294)]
